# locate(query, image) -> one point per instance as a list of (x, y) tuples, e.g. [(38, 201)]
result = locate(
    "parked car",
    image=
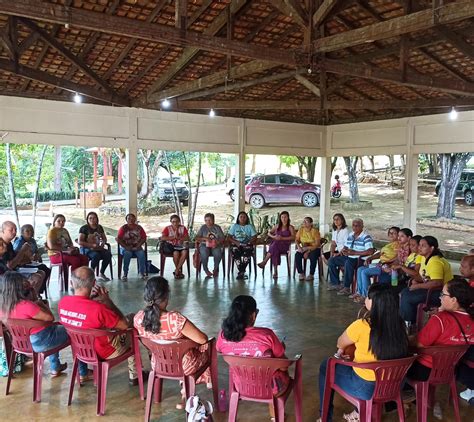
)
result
[(281, 188), (165, 189), (465, 188), (230, 185)]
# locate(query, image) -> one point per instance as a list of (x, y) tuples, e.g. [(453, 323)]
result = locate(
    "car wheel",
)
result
[(232, 195), (469, 197), (257, 201), (336, 194), (310, 199)]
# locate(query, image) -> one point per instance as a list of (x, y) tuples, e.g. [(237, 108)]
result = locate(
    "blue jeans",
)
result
[(349, 265), (409, 300), (95, 256), (313, 261), (50, 338), (346, 379), (363, 278), (128, 255)]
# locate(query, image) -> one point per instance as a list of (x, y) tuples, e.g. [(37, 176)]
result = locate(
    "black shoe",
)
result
[(240, 276)]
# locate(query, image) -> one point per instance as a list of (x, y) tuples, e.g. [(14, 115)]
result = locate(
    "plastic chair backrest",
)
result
[(445, 358), (20, 332), (389, 375), (83, 342), (252, 377), (167, 357)]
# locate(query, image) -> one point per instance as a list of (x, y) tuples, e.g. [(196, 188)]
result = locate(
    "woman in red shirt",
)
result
[(14, 303), (175, 239)]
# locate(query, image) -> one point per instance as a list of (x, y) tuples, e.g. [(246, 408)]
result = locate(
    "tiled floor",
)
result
[(310, 317)]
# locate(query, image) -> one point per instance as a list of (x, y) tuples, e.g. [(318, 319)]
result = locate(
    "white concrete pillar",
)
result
[(239, 204), (410, 199), (325, 198), (131, 165)]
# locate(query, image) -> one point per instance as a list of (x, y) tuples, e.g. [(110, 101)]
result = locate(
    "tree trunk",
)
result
[(403, 164), (452, 166), (390, 169), (372, 163), (11, 184), (254, 164), (38, 178), (146, 182), (333, 163), (435, 158), (58, 159), (351, 163), (177, 204), (188, 176), (196, 193), (309, 164), (361, 162)]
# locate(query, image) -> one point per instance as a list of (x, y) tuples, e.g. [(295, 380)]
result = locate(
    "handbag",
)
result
[(196, 259), (166, 248)]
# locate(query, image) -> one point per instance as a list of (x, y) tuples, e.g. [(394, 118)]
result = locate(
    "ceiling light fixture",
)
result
[(453, 115), (212, 113), (77, 98), (165, 103)]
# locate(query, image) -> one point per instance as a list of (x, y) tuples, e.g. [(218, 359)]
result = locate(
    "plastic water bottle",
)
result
[(223, 403), (394, 277)]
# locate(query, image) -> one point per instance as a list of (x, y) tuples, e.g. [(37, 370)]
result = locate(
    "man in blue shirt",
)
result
[(358, 245)]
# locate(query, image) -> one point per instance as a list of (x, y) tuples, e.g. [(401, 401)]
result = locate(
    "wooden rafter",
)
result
[(323, 11), (451, 70), (399, 104), (27, 42), (308, 84), (412, 79), (75, 60), (457, 40), (292, 9), (413, 22), (181, 13), (126, 27), (191, 52), (46, 78)]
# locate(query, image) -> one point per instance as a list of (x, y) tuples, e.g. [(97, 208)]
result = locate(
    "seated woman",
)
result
[(211, 240), (282, 235), (59, 240), (453, 324), (340, 233), (308, 246), (467, 269), (27, 236), (240, 337), (156, 323), (92, 240), (17, 303), (434, 272), (408, 268), (131, 238), (380, 335), (175, 239), (386, 256), (242, 236)]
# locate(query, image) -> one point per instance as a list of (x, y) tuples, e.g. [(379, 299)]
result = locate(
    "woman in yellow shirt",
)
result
[(308, 246), (434, 273), (380, 335)]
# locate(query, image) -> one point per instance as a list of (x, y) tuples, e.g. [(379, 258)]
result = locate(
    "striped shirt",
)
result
[(360, 243)]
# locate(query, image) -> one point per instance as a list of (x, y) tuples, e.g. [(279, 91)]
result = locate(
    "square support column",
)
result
[(131, 165), (239, 192), (325, 197), (410, 198)]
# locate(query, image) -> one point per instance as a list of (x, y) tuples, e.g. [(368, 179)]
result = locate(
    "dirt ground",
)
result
[(457, 234)]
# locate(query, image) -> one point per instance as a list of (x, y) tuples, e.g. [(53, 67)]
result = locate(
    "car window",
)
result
[(269, 179), (288, 180)]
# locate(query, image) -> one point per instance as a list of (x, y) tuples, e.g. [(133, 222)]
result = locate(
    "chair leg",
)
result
[(75, 366), (401, 410), (149, 396), (103, 396), (215, 380), (38, 377), (162, 264), (99, 388), (422, 401), (288, 263), (454, 396), (119, 264), (189, 387), (325, 406), (279, 406), (11, 366), (233, 405)]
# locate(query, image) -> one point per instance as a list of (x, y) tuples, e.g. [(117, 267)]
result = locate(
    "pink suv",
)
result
[(281, 188)]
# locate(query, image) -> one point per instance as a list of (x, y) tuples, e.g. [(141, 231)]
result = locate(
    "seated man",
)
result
[(81, 311), (14, 261), (467, 269), (358, 244)]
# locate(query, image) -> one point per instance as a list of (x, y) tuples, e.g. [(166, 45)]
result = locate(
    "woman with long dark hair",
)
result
[(340, 233), (15, 303), (282, 234), (435, 271), (240, 337), (92, 240), (379, 335), (157, 323), (242, 236)]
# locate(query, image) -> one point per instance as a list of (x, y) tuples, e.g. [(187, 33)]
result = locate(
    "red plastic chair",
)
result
[(389, 375), (82, 344), (445, 359), (231, 262), (253, 382), (19, 330), (319, 264), (168, 365), (198, 268), (424, 307), (120, 259), (63, 273), (163, 257)]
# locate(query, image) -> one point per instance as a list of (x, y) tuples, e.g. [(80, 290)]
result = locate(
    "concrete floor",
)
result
[(310, 317)]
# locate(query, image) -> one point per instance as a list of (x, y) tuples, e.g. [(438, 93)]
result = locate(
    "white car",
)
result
[(230, 185), (165, 190)]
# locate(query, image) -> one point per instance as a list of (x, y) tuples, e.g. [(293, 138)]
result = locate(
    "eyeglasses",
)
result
[(444, 294)]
